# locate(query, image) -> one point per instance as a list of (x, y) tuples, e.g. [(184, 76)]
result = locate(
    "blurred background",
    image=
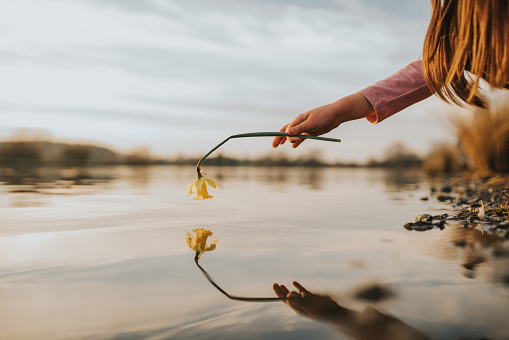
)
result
[(177, 77), (93, 249)]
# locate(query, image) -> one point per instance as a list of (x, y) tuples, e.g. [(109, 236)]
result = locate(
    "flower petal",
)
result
[(191, 241), (212, 246), (191, 187), (199, 182), (202, 232), (212, 183)]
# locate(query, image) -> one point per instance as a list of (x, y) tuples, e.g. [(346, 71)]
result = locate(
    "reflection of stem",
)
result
[(240, 298), (263, 134)]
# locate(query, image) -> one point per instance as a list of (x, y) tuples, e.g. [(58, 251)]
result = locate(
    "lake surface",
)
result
[(102, 254)]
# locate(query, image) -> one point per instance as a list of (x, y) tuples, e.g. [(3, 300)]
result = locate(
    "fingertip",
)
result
[(298, 286), (281, 293)]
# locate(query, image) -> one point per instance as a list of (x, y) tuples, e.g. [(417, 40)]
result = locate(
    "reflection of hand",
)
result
[(325, 118), (313, 306), (369, 324)]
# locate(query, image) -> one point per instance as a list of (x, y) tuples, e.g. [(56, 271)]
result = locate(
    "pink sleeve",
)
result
[(397, 92)]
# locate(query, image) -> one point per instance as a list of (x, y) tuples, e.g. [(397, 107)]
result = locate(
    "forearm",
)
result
[(352, 107)]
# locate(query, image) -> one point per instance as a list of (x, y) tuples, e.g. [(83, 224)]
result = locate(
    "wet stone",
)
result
[(468, 200), (486, 201), (446, 189), (445, 198), (440, 225), (374, 293), (501, 252), (424, 218), (419, 226), (495, 219), (441, 217), (504, 224), (461, 244), (472, 262)]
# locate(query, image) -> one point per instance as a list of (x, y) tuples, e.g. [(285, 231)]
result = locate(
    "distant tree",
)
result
[(20, 154), (76, 155), (398, 155), (138, 156)]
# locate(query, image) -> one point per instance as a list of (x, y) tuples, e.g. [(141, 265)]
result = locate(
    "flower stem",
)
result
[(262, 134), (233, 297)]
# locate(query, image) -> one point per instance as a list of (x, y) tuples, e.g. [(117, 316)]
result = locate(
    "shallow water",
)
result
[(105, 257)]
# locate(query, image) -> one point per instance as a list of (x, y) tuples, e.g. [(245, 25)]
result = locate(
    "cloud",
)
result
[(227, 64)]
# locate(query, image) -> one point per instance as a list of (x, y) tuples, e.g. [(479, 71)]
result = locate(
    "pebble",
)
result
[(461, 191)]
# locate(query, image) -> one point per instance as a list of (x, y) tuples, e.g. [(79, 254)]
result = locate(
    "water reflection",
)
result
[(37, 178), (139, 176), (368, 324), (279, 177), (398, 180), (394, 180), (312, 178), (199, 243), (480, 254), (199, 246), (109, 260), (31, 186)]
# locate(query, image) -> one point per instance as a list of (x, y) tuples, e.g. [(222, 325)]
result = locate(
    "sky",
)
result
[(180, 76)]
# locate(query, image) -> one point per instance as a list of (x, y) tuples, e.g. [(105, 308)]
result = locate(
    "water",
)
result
[(106, 257)]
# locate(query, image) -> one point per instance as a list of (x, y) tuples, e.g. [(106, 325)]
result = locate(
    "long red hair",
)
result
[(466, 41)]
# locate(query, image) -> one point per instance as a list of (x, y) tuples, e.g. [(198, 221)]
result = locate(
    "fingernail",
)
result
[(291, 131)]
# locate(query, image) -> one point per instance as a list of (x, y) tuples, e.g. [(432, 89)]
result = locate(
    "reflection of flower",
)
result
[(199, 244), (200, 186)]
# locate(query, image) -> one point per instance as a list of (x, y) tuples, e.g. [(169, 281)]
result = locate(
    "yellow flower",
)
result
[(200, 186), (199, 244)]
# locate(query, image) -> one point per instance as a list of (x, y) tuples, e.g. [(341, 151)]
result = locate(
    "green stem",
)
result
[(261, 134), (233, 297)]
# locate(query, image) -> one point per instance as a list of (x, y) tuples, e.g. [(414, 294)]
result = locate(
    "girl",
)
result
[(466, 41)]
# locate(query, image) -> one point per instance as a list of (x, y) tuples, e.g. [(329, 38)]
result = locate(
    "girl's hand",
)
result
[(325, 118)]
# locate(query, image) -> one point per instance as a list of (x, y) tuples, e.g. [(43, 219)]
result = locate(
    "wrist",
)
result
[(343, 317), (352, 107)]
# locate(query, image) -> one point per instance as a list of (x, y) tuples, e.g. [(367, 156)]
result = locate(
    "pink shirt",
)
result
[(397, 92)]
